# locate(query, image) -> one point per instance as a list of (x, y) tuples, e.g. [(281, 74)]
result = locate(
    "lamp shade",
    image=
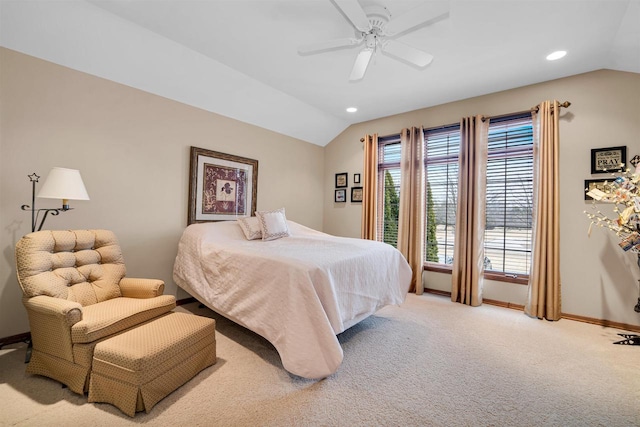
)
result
[(63, 183)]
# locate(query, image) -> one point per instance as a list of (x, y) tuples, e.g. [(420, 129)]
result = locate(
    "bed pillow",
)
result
[(250, 227), (273, 224)]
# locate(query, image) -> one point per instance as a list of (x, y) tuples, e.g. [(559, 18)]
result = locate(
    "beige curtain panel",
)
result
[(468, 255), (543, 300), (411, 218), (370, 188)]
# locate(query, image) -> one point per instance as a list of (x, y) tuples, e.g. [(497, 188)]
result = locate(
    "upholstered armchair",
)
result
[(76, 295)]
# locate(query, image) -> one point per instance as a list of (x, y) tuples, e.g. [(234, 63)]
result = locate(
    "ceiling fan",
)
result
[(377, 32)]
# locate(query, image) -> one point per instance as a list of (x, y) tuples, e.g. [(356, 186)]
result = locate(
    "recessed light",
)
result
[(556, 55), (352, 110)]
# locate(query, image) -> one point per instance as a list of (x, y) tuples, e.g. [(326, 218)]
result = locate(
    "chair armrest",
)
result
[(141, 288), (51, 320), (69, 312)]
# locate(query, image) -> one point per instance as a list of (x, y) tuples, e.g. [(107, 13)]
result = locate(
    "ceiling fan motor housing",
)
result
[(378, 17)]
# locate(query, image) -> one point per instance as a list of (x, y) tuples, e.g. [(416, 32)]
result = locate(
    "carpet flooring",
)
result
[(428, 362)]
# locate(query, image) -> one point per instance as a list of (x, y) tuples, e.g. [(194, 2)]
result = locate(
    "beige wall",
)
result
[(599, 280), (132, 149)]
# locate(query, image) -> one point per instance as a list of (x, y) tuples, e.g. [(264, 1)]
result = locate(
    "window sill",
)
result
[(520, 279), (440, 268)]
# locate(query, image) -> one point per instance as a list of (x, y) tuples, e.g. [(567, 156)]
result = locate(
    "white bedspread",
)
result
[(298, 292)]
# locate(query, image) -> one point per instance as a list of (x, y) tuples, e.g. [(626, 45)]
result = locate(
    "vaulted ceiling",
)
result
[(239, 58)]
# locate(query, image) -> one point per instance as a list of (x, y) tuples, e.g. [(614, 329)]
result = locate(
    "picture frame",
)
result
[(222, 186), (342, 180), (590, 184), (608, 159), (340, 196), (356, 194), (356, 178)]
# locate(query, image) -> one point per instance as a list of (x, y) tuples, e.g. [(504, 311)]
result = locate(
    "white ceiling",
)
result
[(239, 57)]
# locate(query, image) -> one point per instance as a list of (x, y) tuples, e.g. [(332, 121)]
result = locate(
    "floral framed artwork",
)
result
[(606, 160), (221, 186), (356, 194), (340, 196), (342, 180)]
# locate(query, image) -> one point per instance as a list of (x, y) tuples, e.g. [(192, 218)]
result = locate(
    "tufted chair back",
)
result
[(84, 266)]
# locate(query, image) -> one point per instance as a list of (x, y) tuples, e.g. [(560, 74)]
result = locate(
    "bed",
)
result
[(298, 292)]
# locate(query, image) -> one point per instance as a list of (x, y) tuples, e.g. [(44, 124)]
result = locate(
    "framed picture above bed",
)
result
[(221, 186)]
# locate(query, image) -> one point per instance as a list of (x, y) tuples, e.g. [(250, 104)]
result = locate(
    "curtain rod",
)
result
[(426, 129), (564, 104)]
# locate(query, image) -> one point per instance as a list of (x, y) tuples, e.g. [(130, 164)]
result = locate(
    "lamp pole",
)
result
[(36, 212)]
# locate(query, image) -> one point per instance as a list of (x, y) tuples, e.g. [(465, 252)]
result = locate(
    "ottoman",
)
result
[(136, 369)]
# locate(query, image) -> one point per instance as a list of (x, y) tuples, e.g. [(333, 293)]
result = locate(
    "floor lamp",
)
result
[(61, 183)]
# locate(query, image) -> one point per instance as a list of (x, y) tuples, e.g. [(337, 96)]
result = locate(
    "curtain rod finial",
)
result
[(565, 104), (361, 139)]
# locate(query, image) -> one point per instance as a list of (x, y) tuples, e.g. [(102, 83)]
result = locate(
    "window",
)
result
[(509, 202), (442, 147), (507, 237), (389, 153), (509, 192)]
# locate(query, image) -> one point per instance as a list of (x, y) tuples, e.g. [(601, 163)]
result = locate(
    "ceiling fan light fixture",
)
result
[(351, 109), (556, 55)]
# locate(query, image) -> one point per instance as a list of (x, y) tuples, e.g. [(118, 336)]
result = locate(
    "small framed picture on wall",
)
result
[(610, 159), (340, 196), (594, 184), (356, 178), (342, 180), (356, 194)]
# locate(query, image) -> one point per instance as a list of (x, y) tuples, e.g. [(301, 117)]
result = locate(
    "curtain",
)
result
[(468, 255), (412, 204), (370, 188), (543, 300)]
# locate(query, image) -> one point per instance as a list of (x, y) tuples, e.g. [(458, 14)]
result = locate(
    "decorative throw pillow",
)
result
[(250, 227), (273, 224)]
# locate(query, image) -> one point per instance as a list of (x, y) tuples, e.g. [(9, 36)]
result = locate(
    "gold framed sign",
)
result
[(221, 186)]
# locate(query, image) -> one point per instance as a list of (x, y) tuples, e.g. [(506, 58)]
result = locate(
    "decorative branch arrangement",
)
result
[(623, 191)]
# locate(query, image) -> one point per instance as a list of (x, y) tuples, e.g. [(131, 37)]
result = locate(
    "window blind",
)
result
[(442, 147), (509, 211), (389, 156)]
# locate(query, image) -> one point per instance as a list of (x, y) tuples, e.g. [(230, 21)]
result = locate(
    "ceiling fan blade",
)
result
[(407, 53), (353, 11), (427, 13), (360, 66), (324, 46)]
